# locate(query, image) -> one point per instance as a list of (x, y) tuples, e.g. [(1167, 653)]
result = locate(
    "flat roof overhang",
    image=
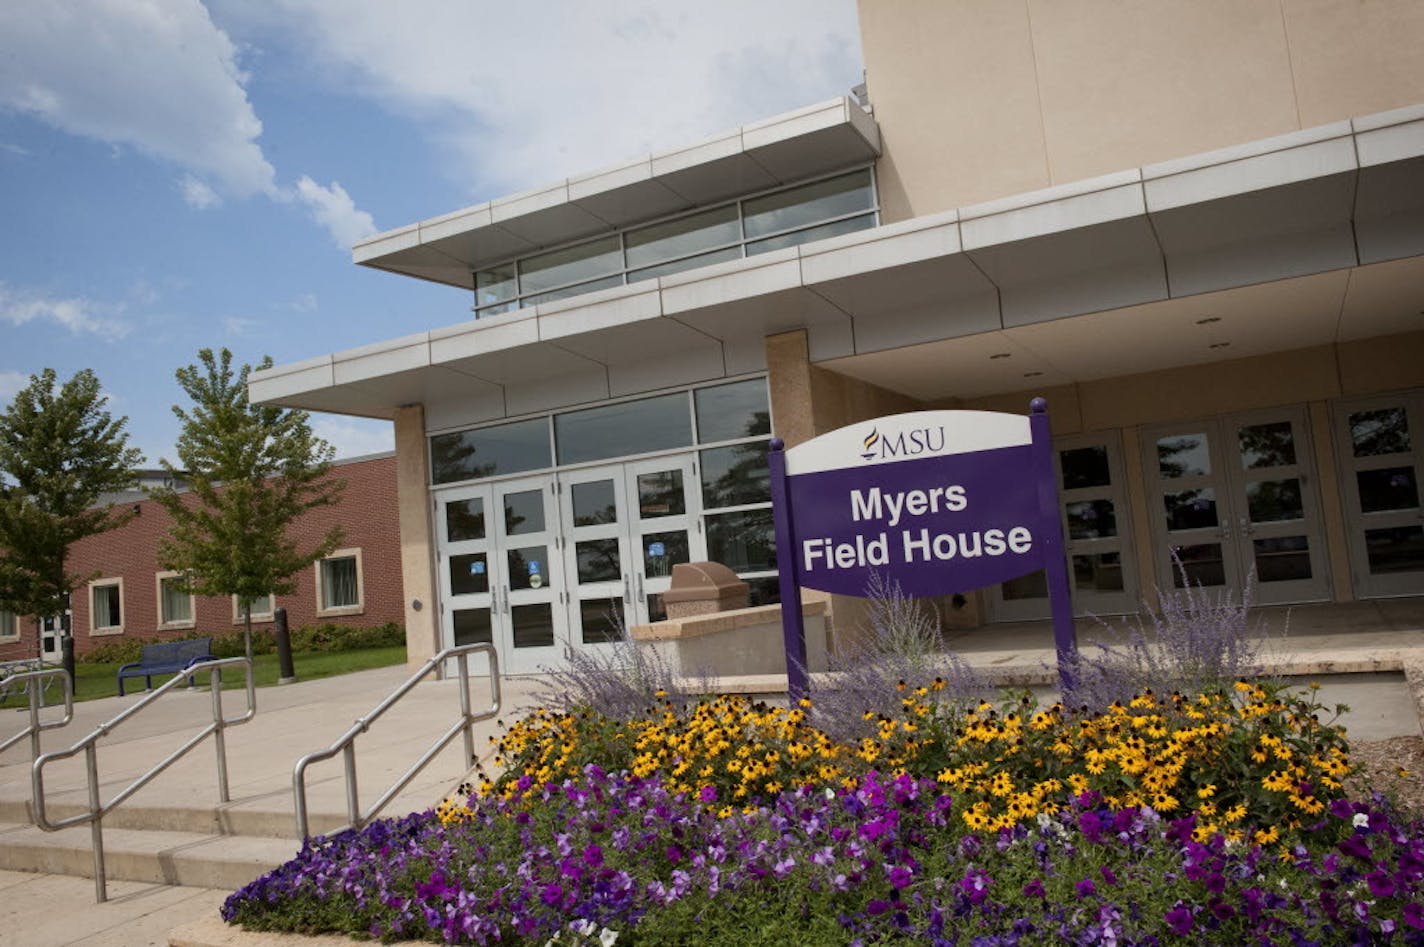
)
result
[(1298, 240), (448, 249)]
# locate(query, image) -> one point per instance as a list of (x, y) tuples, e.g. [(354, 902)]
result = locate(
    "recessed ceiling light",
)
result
[(997, 355), (1218, 345), (1032, 374), (1208, 320)]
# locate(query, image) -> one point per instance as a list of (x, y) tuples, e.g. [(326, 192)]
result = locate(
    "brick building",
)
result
[(126, 593)]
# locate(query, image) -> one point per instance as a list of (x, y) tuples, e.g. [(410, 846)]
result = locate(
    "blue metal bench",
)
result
[(166, 657)]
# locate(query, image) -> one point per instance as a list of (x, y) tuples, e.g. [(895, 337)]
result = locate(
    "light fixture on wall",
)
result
[(998, 355)]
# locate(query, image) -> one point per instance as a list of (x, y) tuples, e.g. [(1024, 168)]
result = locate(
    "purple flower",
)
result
[(552, 894), (1381, 884), (1356, 846), (1179, 919), (593, 856), (878, 906), (1414, 915), (900, 877), (1086, 888), (708, 794), (1108, 875), (1034, 889)]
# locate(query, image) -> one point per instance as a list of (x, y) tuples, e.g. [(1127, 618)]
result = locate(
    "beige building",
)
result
[(1196, 228)]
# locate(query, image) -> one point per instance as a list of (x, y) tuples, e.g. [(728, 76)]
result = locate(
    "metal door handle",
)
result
[(506, 600), (1225, 532), (1246, 528), (627, 594), (638, 578)]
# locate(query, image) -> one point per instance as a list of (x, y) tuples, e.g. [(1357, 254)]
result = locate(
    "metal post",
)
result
[(793, 628), (66, 650), (353, 805), (219, 736), (465, 714), (35, 691), (96, 826), (1055, 563), (283, 637)]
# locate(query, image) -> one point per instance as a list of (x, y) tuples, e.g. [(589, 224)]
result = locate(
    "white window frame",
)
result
[(9, 626), (360, 606), (164, 623), (257, 617), (97, 631)]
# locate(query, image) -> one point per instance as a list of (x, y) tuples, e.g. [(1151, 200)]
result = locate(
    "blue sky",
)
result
[(175, 175)]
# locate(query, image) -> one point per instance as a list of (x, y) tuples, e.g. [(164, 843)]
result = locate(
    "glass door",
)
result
[(1382, 464), (665, 528), (501, 580), (466, 572), (529, 587), (1237, 497), (597, 554)]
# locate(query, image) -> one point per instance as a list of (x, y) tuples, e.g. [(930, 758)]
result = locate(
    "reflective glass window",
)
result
[(686, 263), (465, 519), (594, 502), (1101, 572), (736, 475), (811, 234), (1398, 549), (1382, 431), (1269, 501), (744, 541), (1191, 509), (576, 290), (533, 625), (1389, 488), (660, 494), (586, 261), (469, 574), (495, 285), (1282, 558), (1183, 455), (1091, 519), (617, 430), (1201, 565), (662, 551), (728, 412), (523, 512), (681, 237), (490, 451), (601, 619), (1267, 445), (1085, 467), (598, 560), (809, 204), (472, 626), (528, 568)]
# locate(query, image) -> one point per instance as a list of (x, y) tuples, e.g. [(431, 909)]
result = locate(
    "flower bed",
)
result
[(998, 826)]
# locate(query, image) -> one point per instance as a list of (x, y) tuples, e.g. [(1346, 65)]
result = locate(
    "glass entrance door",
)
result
[(1382, 463), (501, 576), (626, 526), (1237, 497)]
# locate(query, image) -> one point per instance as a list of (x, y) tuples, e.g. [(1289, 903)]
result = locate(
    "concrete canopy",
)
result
[(1298, 240)]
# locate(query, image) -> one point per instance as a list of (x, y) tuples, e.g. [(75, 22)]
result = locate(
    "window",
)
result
[(9, 626), (262, 609), (491, 451), (785, 217), (623, 429), (338, 583), (175, 607), (106, 607)]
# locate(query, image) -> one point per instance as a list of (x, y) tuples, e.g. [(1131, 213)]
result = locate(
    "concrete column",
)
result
[(417, 545), (788, 379), (1332, 512)]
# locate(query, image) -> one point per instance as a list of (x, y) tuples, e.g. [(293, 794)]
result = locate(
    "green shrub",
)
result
[(325, 638)]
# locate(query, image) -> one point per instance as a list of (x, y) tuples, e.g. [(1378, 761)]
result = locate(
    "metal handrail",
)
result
[(98, 810), (346, 743), (36, 695)]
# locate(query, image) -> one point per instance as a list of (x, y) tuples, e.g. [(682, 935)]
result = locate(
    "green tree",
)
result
[(60, 451), (252, 470)]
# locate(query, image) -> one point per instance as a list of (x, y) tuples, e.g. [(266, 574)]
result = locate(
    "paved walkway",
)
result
[(43, 910)]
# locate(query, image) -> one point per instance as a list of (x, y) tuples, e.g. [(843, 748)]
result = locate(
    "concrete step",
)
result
[(238, 818), (155, 856)]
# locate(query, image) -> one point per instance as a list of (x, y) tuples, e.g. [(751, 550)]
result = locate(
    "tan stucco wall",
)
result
[(417, 557), (978, 99)]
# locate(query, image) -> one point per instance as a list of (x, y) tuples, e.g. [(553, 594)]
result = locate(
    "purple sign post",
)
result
[(938, 501)]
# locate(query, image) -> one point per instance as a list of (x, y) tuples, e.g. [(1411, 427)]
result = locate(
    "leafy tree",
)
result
[(60, 451), (251, 470)]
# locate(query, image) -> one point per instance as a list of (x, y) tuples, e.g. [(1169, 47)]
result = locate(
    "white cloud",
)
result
[(333, 208), (77, 314), (305, 302), (236, 326), (10, 385), (156, 76), (522, 94), (18, 150), (198, 194), (353, 437)]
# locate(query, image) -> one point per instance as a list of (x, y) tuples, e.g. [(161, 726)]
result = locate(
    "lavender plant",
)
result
[(1196, 640), (901, 643), (618, 680)]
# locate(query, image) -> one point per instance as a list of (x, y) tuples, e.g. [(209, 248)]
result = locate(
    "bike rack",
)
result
[(36, 693), (346, 744), (97, 810)]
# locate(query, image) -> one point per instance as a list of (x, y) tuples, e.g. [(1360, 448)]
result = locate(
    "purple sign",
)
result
[(939, 502)]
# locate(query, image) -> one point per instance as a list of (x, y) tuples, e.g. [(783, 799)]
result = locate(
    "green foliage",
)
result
[(252, 471), (60, 450), (309, 639)]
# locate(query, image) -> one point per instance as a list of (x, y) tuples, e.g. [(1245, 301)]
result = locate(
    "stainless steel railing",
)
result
[(98, 810), (346, 744), (31, 680)]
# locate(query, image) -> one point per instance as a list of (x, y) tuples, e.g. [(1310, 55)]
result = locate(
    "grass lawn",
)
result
[(98, 680)]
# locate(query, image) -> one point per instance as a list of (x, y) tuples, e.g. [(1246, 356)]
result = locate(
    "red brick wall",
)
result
[(367, 515)]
